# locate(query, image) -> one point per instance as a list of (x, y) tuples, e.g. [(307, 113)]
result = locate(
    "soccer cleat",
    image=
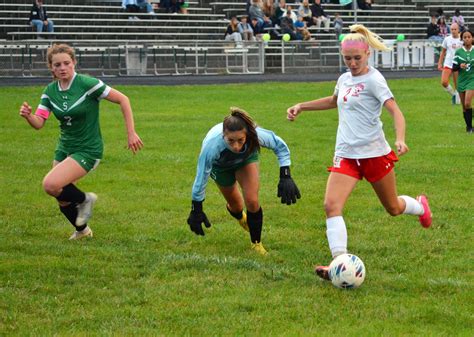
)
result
[(426, 218), (322, 272), (84, 209), (258, 247), (243, 222), (81, 234)]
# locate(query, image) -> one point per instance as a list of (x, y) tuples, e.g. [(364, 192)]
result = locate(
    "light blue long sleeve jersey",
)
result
[(216, 152)]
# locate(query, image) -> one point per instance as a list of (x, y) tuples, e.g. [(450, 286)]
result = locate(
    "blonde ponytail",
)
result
[(360, 33)]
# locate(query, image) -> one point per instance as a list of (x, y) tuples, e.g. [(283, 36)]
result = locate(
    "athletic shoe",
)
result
[(258, 247), (84, 210), (426, 218), (81, 234), (243, 222), (469, 130), (322, 272)]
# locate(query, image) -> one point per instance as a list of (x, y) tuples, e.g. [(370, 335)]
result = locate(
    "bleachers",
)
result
[(99, 23)]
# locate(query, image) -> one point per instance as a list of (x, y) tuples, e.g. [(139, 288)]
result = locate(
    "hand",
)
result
[(25, 110), (292, 112), (134, 142), (440, 67), (287, 189), (401, 147), (197, 217)]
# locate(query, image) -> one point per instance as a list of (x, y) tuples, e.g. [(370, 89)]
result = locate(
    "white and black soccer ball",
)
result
[(347, 271)]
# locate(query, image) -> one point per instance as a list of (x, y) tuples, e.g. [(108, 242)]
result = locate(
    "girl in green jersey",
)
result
[(74, 100)]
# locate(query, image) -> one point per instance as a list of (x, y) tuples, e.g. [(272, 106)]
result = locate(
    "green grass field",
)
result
[(146, 273)]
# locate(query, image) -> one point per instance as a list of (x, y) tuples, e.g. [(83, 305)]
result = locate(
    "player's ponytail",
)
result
[(59, 49), (240, 120), (360, 33)]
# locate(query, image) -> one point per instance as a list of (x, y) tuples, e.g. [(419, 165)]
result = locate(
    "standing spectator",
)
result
[(432, 31), (459, 19), (39, 18), (305, 12), (286, 24), (338, 25), (232, 33), (245, 29), (319, 16)]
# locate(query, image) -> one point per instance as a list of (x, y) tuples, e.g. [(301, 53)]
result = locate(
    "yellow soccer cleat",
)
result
[(258, 247), (243, 222)]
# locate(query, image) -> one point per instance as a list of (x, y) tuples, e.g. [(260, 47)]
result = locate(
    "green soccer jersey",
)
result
[(77, 109), (466, 76)]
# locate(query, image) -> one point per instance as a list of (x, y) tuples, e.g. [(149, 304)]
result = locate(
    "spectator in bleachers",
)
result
[(319, 16), (257, 29), (268, 9), (255, 11), (286, 24), (365, 5), (39, 18), (304, 11), (136, 6), (338, 25), (232, 33), (432, 31), (459, 19), (443, 27), (302, 32), (280, 11), (245, 29)]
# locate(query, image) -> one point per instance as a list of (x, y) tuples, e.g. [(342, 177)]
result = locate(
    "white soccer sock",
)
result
[(337, 235), (450, 89), (412, 206)]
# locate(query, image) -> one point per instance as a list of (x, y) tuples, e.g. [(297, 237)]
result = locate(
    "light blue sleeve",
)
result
[(212, 146), (271, 141)]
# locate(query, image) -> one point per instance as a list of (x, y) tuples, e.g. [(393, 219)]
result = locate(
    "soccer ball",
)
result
[(347, 271)]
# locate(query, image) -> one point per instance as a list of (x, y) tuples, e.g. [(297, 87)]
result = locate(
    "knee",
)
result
[(332, 208), (393, 210), (51, 187), (252, 205)]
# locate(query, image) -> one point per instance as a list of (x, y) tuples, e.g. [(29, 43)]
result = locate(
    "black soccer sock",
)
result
[(255, 221), (238, 215), (71, 194), (468, 118), (70, 212)]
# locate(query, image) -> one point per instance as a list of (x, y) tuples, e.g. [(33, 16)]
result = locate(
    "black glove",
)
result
[(287, 189), (197, 217)]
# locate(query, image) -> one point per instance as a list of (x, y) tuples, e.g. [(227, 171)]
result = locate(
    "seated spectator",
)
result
[(136, 6), (286, 24), (280, 11), (443, 27), (459, 19), (432, 31), (319, 16), (305, 12), (245, 29), (39, 18), (302, 32), (257, 29), (365, 5), (338, 25), (269, 9), (232, 33), (256, 11)]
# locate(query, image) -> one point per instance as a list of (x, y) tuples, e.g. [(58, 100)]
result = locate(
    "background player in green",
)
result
[(464, 63), (74, 101)]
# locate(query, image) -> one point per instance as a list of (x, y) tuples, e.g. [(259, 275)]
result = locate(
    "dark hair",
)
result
[(457, 12), (240, 120), (467, 31)]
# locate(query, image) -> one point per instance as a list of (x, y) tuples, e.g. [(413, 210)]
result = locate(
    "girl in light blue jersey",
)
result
[(229, 154)]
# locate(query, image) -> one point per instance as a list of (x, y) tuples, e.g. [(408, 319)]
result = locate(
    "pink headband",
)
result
[(351, 44)]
